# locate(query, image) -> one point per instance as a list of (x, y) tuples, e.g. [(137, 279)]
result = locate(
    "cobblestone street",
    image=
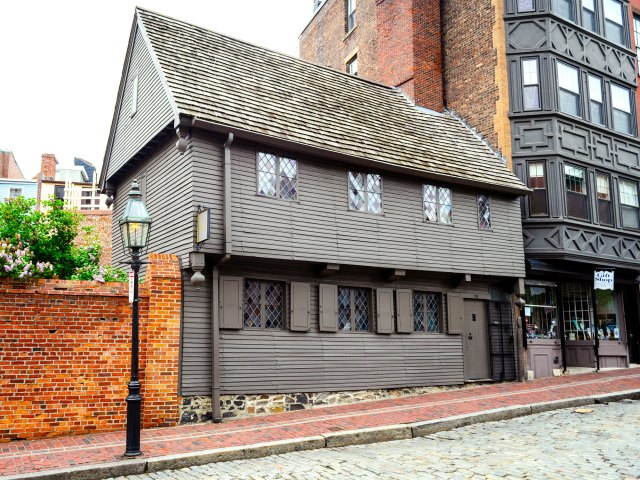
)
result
[(563, 444)]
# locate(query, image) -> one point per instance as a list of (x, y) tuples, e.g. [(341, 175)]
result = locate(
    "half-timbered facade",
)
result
[(356, 241)]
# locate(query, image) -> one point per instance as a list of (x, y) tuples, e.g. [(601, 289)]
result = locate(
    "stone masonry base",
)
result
[(196, 409)]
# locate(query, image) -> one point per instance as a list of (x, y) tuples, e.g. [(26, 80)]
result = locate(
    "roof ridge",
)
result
[(267, 49)]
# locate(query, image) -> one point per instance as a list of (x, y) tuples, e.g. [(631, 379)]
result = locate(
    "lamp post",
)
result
[(135, 226)]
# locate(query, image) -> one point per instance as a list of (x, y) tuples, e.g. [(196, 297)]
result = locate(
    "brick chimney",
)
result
[(48, 166), (409, 49)]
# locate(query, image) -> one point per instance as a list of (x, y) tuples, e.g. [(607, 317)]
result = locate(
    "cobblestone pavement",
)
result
[(562, 444)]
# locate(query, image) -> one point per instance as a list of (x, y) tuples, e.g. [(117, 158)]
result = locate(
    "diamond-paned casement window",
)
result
[(277, 176), (484, 212), (353, 309), (365, 192), (437, 204), (426, 312), (263, 304)]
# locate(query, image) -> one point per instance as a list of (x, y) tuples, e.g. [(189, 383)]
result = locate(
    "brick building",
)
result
[(551, 84)]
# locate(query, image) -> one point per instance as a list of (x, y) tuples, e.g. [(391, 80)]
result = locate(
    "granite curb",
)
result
[(337, 439)]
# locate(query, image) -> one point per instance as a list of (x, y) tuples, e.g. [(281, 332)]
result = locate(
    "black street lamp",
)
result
[(135, 226)]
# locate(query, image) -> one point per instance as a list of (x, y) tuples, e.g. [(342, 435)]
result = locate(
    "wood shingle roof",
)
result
[(230, 83)]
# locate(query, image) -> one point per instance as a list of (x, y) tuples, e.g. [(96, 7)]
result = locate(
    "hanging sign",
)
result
[(202, 226), (131, 280), (603, 280)]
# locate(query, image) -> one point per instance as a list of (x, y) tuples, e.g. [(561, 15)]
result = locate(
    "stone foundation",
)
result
[(198, 408)]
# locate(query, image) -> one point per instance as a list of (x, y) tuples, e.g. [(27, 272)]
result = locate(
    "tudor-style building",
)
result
[(356, 241), (551, 83)]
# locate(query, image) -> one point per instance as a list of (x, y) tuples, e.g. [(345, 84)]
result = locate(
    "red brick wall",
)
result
[(326, 42), (100, 221), (65, 353), (9, 167), (427, 47), (48, 166)]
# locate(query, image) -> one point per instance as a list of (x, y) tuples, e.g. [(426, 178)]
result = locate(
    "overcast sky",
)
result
[(61, 62)]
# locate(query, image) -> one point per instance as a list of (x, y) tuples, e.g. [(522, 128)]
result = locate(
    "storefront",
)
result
[(563, 331)]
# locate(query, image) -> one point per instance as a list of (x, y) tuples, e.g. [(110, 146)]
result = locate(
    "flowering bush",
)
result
[(41, 244), (16, 261)]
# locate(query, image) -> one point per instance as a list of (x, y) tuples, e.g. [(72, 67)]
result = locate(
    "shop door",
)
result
[(476, 341), (632, 321)]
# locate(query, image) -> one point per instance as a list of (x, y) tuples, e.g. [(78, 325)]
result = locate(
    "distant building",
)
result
[(9, 168), (12, 181)]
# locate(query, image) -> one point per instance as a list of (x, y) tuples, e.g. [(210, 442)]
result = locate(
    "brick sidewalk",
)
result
[(28, 457)]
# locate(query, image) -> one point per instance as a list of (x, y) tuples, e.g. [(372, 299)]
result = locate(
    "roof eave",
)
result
[(207, 125)]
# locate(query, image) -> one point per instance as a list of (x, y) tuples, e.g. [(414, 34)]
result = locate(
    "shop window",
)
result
[(589, 20), (564, 8), (526, 6), (263, 304), (537, 182), (277, 176), (541, 312), (577, 199), (629, 204), (576, 311), (353, 309), (484, 212), (568, 89), (596, 103), (437, 204), (607, 315), (426, 312), (613, 21), (530, 84), (621, 106), (365, 192), (603, 188)]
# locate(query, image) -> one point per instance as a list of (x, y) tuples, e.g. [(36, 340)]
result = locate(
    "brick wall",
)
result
[(100, 221), (475, 76), (325, 40), (427, 47), (8, 166), (65, 353), (395, 47), (48, 165)]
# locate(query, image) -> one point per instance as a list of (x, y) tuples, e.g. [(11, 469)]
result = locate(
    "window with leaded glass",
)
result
[(353, 309), (603, 190), (537, 182), (365, 192), (530, 84), (484, 212), (613, 21), (577, 199), (437, 204), (564, 8), (526, 6), (629, 203), (277, 176), (426, 312), (263, 304), (589, 20), (621, 107), (568, 89), (351, 15), (596, 103)]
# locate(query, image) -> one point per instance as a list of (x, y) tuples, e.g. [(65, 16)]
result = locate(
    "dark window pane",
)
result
[(577, 205), (629, 217), (604, 212)]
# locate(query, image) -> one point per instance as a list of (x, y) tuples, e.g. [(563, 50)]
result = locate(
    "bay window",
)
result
[(568, 89), (576, 187), (537, 182), (629, 204), (613, 21), (621, 108)]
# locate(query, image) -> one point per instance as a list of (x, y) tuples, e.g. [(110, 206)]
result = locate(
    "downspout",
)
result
[(216, 416)]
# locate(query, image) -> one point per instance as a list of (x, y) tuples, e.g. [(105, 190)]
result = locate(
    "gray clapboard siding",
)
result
[(319, 227), (154, 110), (167, 189), (285, 361)]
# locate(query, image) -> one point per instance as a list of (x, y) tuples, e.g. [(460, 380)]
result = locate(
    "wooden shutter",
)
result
[(456, 312), (384, 304), (405, 311), (300, 307), (328, 308), (231, 290)]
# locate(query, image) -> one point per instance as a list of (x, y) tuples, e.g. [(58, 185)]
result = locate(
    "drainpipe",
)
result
[(215, 297)]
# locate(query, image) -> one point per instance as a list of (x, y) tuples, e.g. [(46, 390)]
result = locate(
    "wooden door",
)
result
[(476, 341)]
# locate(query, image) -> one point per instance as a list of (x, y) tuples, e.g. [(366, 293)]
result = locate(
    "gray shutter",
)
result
[(328, 308), (405, 311), (300, 306), (454, 302), (384, 303), (231, 289)]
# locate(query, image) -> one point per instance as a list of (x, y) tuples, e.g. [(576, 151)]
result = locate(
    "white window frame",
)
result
[(614, 21), (530, 78), (14, 190), (366, 204), (624, 109)]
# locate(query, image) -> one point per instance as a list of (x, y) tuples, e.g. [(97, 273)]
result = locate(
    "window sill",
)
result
[(358, 212), (427, 222), (260, 195), (348, 34)]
